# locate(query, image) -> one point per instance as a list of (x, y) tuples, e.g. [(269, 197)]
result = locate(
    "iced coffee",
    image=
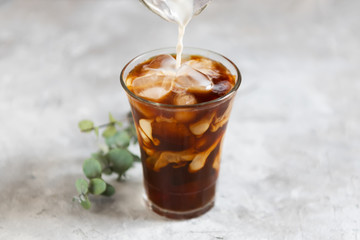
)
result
[(180, 113)]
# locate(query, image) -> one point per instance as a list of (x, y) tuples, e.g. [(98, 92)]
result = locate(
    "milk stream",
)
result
[(180, 45), (182, 11), (177, 11)]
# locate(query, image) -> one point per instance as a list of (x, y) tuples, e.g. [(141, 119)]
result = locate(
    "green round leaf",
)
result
[(121, 160), (110, 141), (110, 190), (121, 139), (85, 203), (97, 186), (86, 125), (92, 168), (101, 159), (82, 186), (109, 131)]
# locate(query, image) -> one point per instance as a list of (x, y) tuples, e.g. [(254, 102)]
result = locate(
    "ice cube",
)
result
[(184, 99), (205, 66), (222, 87), (162, 63), (185, 116), (154, 93), (190, 79), (153, 86)]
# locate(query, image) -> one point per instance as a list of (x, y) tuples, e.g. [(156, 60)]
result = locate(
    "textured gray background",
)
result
[(291, 162)]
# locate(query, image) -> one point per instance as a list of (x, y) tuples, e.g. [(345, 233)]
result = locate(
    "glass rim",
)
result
[(170, 51)]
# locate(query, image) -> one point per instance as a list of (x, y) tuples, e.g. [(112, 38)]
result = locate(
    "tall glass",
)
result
[(181, 144)]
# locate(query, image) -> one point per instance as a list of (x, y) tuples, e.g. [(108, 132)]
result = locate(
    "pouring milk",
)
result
[(179, 12)]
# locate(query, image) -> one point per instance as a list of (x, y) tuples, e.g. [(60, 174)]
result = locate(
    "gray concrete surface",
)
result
[(290, 169)]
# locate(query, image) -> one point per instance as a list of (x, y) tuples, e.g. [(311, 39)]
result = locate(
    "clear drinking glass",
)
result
[(180, 166)]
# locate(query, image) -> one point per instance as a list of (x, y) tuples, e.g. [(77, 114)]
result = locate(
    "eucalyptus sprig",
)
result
[(113, 157)]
